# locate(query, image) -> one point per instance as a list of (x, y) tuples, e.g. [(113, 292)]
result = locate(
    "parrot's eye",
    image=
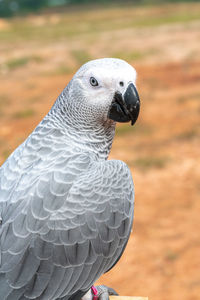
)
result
[(93, 81)]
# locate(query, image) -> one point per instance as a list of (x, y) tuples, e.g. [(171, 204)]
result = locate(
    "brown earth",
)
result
[(162, 259)]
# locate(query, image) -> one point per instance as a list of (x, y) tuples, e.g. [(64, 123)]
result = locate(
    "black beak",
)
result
[(125, 108)]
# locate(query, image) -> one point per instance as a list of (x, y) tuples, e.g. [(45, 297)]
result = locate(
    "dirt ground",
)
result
[(162, 259)]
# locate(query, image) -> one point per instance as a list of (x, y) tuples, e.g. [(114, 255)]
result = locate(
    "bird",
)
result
[(66, 210)]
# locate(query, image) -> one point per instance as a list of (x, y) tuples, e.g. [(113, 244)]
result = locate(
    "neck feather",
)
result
[(79, 125), (96, 138)]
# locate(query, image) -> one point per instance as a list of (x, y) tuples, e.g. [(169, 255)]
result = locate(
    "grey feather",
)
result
[(16, 294), (66, 211), (46, 283)]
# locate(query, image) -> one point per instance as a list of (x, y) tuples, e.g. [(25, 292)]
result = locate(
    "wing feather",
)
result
[(71, 227), (43, 278), (23, 272)]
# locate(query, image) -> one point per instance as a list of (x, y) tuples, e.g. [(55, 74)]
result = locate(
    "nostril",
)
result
[(121, 83)]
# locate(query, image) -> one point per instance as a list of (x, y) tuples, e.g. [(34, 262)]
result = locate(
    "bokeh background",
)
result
[(42, 43)]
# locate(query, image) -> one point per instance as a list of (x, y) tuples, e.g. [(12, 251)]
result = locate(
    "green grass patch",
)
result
[(36, 58), (16, 62), (188, 135), (24, 114), (129, 56), (150, 162), (182, 17), (81, 56), (171, 255), (134, 55), (125, 129), (75, 24), (61, 70)]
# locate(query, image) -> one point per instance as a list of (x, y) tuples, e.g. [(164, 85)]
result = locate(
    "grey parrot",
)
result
[(66, 211)]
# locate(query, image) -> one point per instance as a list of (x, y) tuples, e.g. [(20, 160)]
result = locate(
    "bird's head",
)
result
[(103, 90)]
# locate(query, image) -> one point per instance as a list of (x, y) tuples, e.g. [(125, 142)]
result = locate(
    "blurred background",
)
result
[(42, 43)]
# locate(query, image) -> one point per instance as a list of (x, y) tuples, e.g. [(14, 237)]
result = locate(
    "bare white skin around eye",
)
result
[(109, 81)]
